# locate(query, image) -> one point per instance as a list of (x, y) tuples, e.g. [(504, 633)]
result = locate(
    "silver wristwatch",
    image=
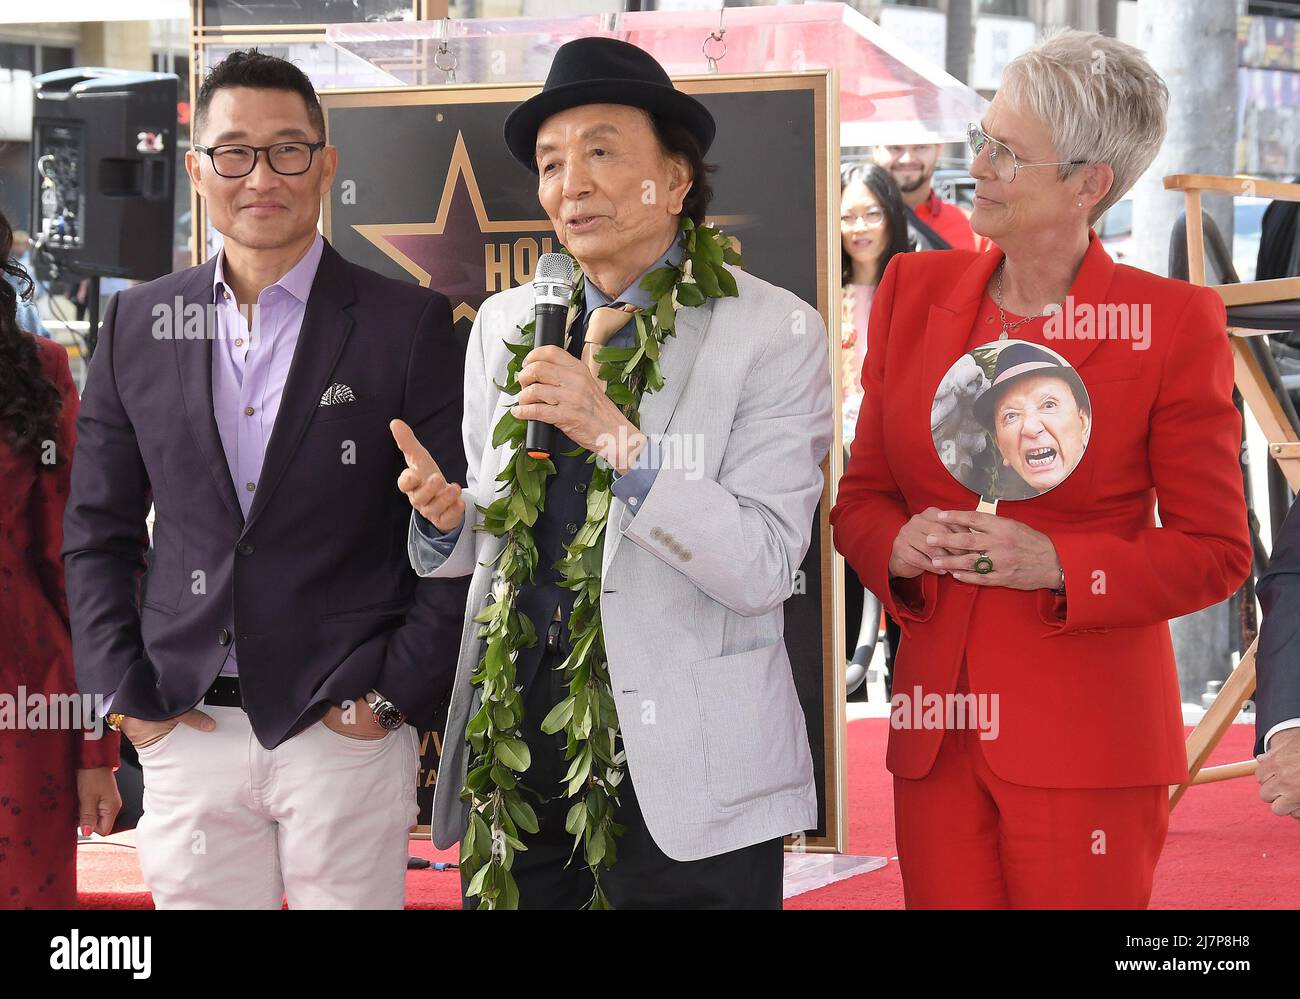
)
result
[(385, 711)]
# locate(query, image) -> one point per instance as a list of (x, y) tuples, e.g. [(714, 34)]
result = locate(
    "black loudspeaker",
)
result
[(103, 170)]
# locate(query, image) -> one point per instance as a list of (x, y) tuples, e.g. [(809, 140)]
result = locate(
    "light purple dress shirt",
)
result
[(250, 368)]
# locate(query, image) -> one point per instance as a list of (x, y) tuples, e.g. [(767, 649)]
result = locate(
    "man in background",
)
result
[(912, 167)]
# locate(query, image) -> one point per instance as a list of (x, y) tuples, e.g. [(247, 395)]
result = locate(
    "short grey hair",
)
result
[(1100, 99)]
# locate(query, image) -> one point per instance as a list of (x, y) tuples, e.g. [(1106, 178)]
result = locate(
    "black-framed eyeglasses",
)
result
[(233, 159), (1006, 164)]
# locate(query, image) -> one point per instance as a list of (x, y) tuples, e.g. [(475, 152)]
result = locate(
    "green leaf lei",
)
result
[(499, 816)]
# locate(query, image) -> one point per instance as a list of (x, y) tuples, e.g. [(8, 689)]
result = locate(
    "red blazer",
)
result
[(33, 606), (1088, 690)]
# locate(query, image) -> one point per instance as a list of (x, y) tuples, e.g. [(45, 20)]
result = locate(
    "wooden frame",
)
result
[(1283, 445)]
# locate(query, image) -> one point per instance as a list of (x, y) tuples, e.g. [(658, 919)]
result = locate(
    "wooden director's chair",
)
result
[(1283, 446)]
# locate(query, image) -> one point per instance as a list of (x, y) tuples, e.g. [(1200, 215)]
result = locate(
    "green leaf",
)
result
[(529, 481), (727, 282), (579, 774), (614, 354), (633, 362), (578, 762), (523, 814), (475, 886), (503, 717), (595, 848), (707, 282), (504, 429), (558, 717), (503, 778), (690, 295), (514, 754), (508, 897), (522, 509), (576, 821), (664, 313), (708, 248), (620, 394), (654, 379), (659, 282), (479, 723)]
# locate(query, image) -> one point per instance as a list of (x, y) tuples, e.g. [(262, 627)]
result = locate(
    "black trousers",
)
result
[(643, 877)]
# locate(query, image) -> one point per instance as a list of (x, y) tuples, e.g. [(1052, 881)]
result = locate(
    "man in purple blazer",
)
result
[(268, 663)]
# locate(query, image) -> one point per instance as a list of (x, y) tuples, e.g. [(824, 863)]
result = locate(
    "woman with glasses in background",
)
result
[(1041, 631), (873, 228)]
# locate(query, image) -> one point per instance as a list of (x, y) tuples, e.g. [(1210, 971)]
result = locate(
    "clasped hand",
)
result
[(950, 541)]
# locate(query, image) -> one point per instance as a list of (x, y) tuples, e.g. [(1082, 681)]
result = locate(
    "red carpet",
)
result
[(1225, 850)]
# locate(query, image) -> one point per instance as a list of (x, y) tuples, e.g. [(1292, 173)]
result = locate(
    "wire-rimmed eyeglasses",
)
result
[(1006, 164)]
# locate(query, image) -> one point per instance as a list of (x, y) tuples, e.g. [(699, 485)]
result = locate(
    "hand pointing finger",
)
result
[(416, 454)]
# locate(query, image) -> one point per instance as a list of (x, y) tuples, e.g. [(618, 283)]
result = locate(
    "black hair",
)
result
[(885, 190), (30, 403), (678, 140), (259, 71)]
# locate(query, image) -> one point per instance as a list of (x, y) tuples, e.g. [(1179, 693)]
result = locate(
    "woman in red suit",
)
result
[(52, 778), (1063, 639)]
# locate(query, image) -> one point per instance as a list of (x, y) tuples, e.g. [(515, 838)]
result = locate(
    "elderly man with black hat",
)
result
[(654, 716)]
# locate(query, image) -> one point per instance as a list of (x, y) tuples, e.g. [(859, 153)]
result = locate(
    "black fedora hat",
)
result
[(1017, 361), (603, 71)]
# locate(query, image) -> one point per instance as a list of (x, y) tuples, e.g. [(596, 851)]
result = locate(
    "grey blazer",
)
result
[(695, 580)]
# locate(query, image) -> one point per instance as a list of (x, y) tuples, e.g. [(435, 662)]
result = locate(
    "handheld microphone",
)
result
[(552, 290)]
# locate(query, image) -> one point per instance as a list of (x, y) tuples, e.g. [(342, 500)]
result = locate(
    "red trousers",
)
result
[(969, 840)]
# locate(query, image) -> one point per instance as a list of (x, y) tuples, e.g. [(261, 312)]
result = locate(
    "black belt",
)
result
[(224, 693)]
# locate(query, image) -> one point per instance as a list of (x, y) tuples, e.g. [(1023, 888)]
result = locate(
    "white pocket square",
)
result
[(336, 393)]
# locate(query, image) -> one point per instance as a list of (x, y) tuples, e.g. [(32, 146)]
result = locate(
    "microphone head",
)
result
[(553, 279)]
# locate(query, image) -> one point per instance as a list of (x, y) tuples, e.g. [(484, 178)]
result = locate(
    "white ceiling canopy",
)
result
[(889, 93), (50, 11)]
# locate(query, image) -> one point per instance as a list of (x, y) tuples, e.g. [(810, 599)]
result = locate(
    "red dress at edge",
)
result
[(38, 769)]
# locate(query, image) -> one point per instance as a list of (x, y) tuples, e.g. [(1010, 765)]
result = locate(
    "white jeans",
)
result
[(321, 820)]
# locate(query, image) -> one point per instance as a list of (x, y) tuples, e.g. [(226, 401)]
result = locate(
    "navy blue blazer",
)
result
[(1277, 659)]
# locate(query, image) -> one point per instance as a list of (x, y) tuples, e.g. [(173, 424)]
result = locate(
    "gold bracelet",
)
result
[(114, 720)]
